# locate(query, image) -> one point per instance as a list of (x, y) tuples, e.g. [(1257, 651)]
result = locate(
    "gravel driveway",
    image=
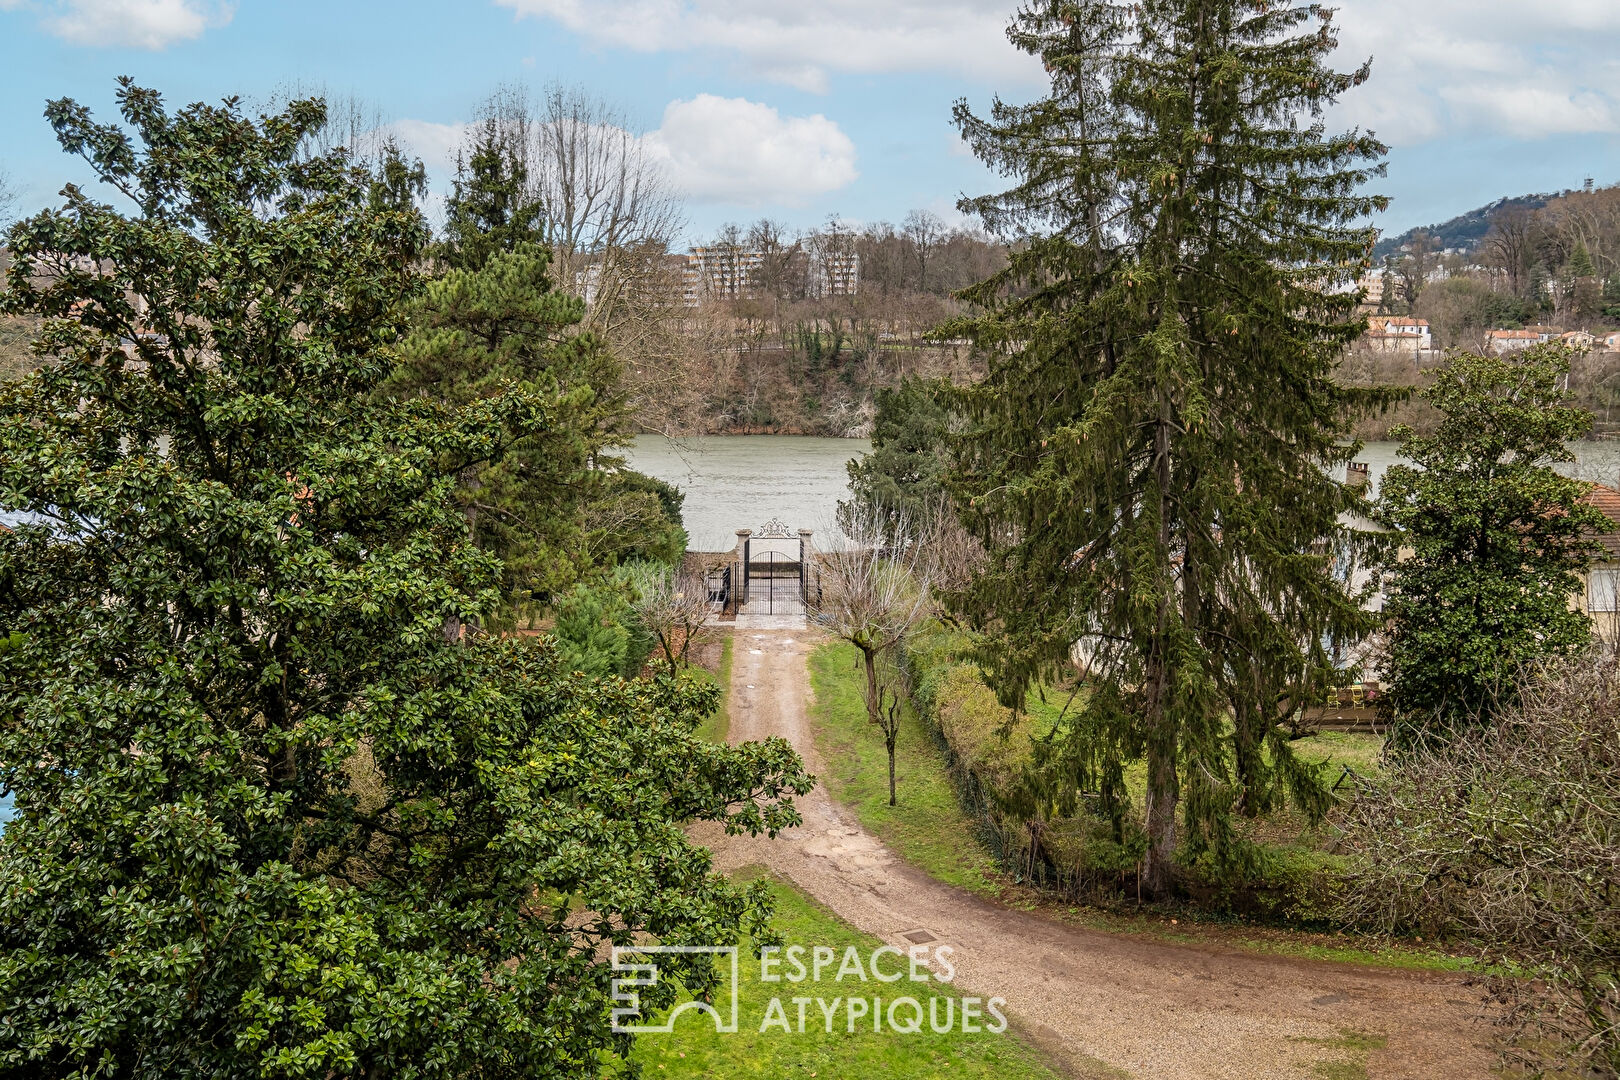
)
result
[(1103, 1005)]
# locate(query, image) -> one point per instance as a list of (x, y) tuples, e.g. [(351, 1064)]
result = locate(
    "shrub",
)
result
[(1510, 834)]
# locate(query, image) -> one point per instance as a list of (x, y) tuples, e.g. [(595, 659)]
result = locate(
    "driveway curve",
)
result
[(1102, 1005)]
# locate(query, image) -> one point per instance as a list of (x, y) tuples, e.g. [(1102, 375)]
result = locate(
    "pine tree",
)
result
[(1153, 459), (495, 319), (1498, 539), (1580, 262), (492, 209)]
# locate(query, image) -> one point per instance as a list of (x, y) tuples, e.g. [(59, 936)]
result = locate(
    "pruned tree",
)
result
[(874, 593), (673, 606)]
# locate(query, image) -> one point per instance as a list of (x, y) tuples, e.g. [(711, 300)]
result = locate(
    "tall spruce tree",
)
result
[(271, 821), (1154, 461)]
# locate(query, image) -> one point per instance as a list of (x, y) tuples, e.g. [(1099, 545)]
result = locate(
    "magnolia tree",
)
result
[(271, 821), (875, 591)]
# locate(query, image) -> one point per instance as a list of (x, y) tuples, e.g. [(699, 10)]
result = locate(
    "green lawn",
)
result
[(928, 828), (695, 1049), (716, 726)]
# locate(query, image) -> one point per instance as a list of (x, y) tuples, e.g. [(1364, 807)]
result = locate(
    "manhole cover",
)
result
[(919, 937)]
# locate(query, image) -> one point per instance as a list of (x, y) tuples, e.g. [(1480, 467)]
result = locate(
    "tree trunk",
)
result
[(1158, 876), (874, 706), (1163, 784), (890, 743)]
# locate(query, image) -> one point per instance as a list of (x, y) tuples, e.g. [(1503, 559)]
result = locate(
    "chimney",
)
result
[(1358, 475)]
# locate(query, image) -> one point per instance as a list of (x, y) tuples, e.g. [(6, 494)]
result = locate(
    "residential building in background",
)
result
[(1399, 334), (1509, 341)]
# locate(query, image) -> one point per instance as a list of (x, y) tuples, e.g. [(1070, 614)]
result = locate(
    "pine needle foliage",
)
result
[(492, 319), (1153, 461)]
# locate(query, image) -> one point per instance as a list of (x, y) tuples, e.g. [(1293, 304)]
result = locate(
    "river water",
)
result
[(742, 481)]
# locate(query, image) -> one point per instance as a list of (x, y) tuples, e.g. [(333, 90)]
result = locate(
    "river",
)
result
[(742, 481)]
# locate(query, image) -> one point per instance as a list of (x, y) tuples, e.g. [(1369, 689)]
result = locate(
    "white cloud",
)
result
[(1483, 67), (1441, 67), (712, 149), (732, 150), (435, 144), (799, 43), (137, 24)]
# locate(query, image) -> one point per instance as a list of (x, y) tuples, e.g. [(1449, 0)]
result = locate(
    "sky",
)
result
[(803, 109)]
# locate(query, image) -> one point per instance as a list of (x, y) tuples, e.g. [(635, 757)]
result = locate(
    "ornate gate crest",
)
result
[(775, 530)]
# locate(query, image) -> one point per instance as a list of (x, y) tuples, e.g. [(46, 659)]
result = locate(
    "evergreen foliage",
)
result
[(272, 819), (494, 320), (1498, 539), (903, 477), (593, 631), (1153, 461)]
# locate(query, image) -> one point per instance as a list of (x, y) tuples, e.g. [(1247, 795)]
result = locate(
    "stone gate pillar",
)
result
[(739, 584)]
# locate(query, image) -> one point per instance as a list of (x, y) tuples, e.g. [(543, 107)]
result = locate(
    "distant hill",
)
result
[(1464, 231)]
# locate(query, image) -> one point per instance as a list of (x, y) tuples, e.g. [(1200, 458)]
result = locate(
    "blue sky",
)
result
[(804, 109)]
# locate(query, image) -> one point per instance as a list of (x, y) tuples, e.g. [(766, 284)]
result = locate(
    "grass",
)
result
[(1340, 748), (931, 831), (929, 828), (695, 1049), (1355, 1045), (717, 726)]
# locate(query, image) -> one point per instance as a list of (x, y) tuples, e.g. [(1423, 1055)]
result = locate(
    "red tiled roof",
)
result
[(1606, 499)]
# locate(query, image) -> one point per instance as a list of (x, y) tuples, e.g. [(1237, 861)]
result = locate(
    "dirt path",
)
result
[(1106, 1005)]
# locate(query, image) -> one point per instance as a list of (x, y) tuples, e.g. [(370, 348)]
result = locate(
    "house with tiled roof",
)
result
[(1398, 333), (1601, 597), (1508, 341), (1578, 339)]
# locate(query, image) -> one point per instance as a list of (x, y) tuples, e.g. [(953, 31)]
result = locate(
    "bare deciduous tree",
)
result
[(926, 231), (607, 205), (1510, 245), (8, 198), (674, 606), (1511, 836), (874, 593)]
